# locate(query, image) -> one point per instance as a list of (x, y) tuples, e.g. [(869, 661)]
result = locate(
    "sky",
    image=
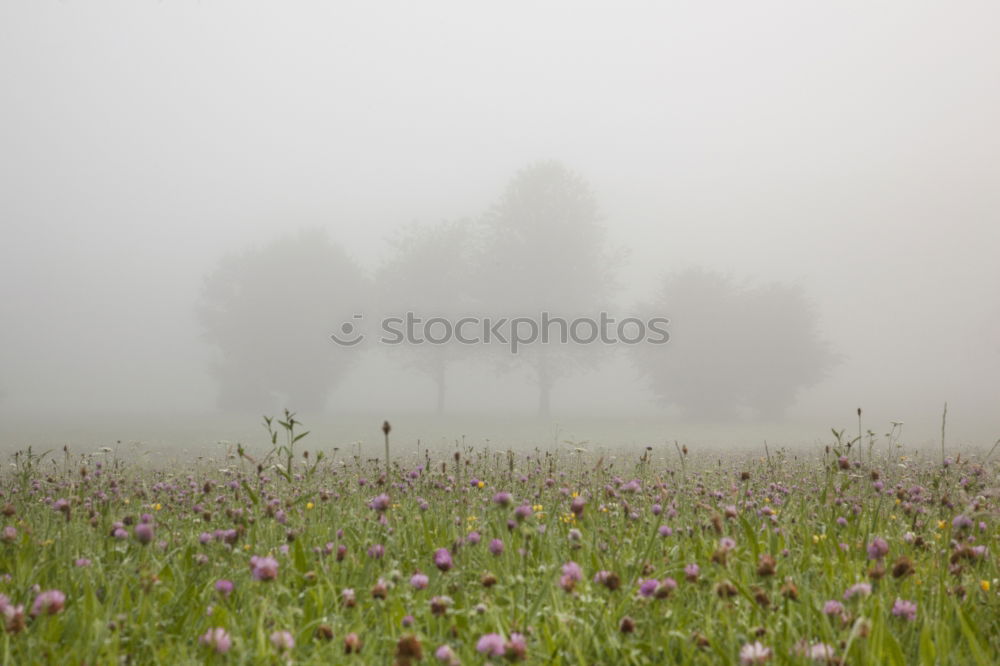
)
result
[(847, 147)]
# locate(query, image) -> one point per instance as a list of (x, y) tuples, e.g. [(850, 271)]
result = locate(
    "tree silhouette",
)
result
[(545, 250), (733, 348), (270, 312), (428, 275)]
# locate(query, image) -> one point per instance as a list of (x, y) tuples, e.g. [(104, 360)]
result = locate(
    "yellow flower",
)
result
[(126, 500), (309, 506), (815, 538), (481, 484), (246, 546), (985, 584), (157, 506), (942, 524), (574, 494), (537, 507)]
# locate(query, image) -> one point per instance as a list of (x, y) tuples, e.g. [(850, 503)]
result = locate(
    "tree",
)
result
[(270, 312), (545, 250), (429, 274), (733, 347)]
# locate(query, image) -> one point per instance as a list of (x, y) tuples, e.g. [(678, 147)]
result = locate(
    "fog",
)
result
[(823, 178)]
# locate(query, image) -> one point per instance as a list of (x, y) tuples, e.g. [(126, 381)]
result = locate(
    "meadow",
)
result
[(848, 552)]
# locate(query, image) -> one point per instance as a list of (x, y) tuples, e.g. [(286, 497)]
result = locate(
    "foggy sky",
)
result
[(848, 147)]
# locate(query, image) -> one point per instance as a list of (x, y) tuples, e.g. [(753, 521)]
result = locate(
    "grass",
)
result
[(135, 602)]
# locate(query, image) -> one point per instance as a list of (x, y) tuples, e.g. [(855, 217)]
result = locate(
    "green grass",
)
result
[(149, 603)]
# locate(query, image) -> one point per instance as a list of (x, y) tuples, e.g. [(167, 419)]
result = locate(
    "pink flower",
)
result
[(419, 581), (49, 602), (862, 589), (496, 546), (263, 568), (905, 609), (754, 653), (491, 645), (282, 641), (877, 549), (217, 639), (442, 559)]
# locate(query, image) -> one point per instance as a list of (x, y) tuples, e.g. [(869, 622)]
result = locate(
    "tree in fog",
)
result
[(428, 274), (733, 348), (546, 250), (270, 312)]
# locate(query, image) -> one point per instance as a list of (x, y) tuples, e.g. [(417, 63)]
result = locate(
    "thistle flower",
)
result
[(224, 587), (442, 559), (858, 589), (905, 609), (419, 581), (48, 602), (283, 641), (496, 547), (492, 645), (877, 549), (754, 653), (217, 639), (263, 568)]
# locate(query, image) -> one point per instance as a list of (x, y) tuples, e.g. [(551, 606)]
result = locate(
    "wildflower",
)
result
[(282, 641), (446, 656), (473, 537), (858, 589), (608, 579), (691, 573), (380, 503), (665, 531), (49, 602), (666, 586), (491, 645), (496, 546), (905, 609), (144, 533), (961, 522), (754, 653), (648, 587), (984, 585), (766, 565), (419, 581), (216, 639), (503, 498), (627, 625), (439, 605), (224, 587), (576, 506), (81, 562), (408, 649), (376, 551), (442, 559), (348, 597), (877, 549), (833, 607), (516, 648), (352, 643), (263, 568), (9, 534), (380, 590), (902, 567)]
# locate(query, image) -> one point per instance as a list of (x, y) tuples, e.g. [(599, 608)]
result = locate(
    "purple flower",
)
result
[(577, 505), (49, 602), (81, 562), (523, 511), (217, 639), (446, 655), (503, 498), (376, 551), (144, 533), (496, 546), (282, 641), (905, 609), (691, 572), (419, 581), (754, 653), (224, 587), (491, 645), (473, 538), (833, 607), (263, 568), (648, 587), (665, 531), (442, 559), (572, 571), (380, 503), (877, 549), (9, 533), (858, 589), (961, 522)]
